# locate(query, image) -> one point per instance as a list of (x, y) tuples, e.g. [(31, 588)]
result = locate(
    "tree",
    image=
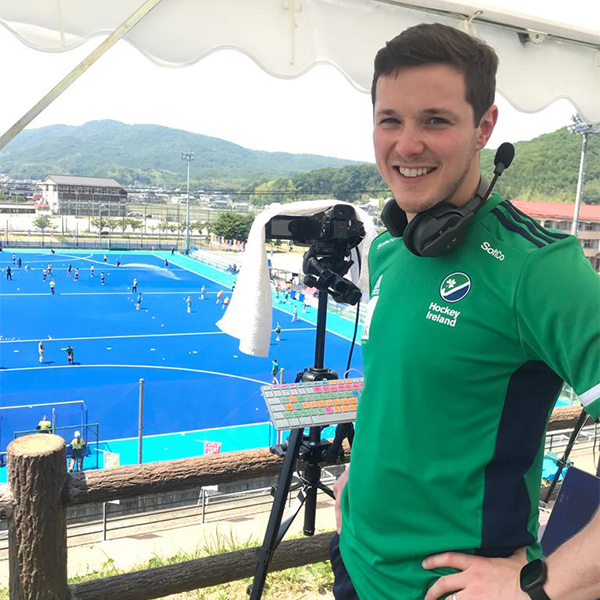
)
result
[(233, 226), (197, 225), (111, 223), (136, 224), (42, 222)]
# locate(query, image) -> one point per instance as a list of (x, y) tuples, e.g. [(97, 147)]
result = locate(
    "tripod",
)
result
[(310, 449)]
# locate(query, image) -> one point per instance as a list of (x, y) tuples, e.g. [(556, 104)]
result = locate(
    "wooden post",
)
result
[(37, 557)]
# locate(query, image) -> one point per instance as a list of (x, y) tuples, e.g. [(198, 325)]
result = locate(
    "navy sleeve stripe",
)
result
[(518, 215), (532, 225), (514, 227)]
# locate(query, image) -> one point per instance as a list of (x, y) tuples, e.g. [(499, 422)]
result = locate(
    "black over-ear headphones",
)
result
[(439, 229)]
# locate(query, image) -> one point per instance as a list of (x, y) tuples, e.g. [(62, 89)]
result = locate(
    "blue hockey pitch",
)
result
[(196, 379)]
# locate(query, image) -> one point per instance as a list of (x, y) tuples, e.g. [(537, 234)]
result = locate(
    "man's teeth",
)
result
[(415, 172)]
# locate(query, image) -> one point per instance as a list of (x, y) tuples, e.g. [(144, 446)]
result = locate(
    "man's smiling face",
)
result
[(426, 142)]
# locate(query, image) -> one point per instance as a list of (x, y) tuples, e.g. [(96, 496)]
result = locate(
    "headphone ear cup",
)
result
[(409, 234), (394, 218)]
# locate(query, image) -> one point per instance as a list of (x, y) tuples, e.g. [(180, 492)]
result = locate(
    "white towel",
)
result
[(249, 316)]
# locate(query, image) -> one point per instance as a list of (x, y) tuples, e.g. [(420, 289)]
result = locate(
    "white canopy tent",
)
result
[(540, 61)]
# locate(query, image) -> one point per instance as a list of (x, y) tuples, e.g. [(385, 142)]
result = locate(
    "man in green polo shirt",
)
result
[(465, 354)]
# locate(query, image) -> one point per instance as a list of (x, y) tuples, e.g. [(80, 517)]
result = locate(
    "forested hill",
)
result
[(547, 167), (544, 169), (147, 154)]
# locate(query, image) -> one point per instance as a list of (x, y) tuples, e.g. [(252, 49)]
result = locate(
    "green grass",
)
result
[(311, 582)]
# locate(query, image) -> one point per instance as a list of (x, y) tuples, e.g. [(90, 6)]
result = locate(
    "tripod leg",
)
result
[(291, 515), (265, 552)]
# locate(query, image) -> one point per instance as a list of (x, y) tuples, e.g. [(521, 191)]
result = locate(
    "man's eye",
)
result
[(389, 121), (438, 121)]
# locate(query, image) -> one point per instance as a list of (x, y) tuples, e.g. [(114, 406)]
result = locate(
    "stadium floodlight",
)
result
[(580, 127), (189, 157)]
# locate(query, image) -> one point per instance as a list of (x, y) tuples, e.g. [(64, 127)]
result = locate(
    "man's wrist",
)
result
[(532, 578)]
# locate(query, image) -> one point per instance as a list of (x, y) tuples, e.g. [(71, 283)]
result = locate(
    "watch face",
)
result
[(533, 574)]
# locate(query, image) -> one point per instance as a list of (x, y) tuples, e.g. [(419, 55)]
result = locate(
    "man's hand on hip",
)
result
[(337, 492), (479, 578)]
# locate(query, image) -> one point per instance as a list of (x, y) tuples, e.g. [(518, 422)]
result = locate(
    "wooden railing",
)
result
[(40, 490)]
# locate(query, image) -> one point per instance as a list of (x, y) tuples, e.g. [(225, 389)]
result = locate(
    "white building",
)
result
[(95, 196)]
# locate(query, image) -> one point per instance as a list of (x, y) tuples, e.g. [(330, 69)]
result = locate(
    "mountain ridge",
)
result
[(148, 153)]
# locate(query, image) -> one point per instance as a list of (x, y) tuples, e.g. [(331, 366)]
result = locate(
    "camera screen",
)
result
[(278, 228)]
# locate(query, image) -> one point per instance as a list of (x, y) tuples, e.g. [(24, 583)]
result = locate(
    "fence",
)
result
[(90, 433), (24, 417), (40, 490), (107, 244)]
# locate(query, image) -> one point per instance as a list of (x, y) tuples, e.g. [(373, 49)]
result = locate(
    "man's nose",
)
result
[(409, 142)]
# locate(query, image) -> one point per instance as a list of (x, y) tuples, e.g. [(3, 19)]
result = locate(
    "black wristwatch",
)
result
[(532, 578)]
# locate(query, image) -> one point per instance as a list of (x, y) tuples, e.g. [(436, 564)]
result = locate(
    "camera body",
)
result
[(336, 224)]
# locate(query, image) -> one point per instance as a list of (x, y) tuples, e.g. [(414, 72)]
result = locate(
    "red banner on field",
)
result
[(211, 448)]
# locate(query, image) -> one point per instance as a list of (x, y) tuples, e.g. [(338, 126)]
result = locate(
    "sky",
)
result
[(226, 95)]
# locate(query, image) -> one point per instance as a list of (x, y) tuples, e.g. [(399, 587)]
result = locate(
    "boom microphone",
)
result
[(504, 156), (502, 160)]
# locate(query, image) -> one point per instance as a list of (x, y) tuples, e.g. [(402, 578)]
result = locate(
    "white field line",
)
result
[(230, 375), (144, 335)]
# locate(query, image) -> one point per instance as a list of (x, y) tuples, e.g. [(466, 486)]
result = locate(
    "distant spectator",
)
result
[(44, 426), (77, 453)]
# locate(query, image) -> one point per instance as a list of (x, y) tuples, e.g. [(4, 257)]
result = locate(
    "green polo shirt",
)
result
[(465, 356)]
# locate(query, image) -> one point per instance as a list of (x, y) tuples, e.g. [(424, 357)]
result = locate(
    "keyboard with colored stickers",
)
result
[(312, 404)]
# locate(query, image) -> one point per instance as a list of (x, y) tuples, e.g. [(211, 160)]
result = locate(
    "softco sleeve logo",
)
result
[(455, 287)]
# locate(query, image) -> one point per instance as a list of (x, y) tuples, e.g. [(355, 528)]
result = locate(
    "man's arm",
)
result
[(338, 488), (573, 571), (574, 568)]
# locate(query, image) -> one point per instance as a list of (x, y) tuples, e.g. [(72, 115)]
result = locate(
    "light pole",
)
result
[(189, 157), (580, 127)]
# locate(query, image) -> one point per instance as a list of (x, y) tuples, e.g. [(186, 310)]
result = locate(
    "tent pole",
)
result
[(81, 68)]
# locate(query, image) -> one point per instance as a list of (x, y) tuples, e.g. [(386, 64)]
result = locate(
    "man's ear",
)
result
[(486, 126)]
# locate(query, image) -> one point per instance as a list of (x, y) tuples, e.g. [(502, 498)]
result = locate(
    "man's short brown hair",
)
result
[(434, 43)]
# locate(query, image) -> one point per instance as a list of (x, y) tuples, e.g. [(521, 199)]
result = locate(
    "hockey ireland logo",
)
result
[(455, 287)]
